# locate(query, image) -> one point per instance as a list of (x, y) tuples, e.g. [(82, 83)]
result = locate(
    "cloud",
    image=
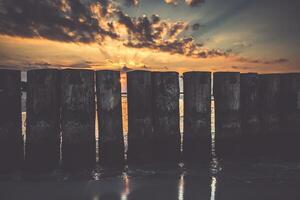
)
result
[(196, 27), (154, 33), (82, 64), (90, 21), (60, 20), (132, 2), (172, 2), (194, 3), (266, 62)]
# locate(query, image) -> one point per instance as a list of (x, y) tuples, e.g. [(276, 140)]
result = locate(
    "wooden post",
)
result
[(269, 107), (166, 93), (290, 116), (250, 115), (140, 126), (43, 120), (111, 141), (78, 119), (228, 121), (197, 117), (11, 141)]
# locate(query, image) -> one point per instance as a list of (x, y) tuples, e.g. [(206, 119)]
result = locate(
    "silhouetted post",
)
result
[(78, 119), (140, 127), (111, 141), (227, 106), (250, 115), (166, 93), (290, 115), (269, 107), (11, 141), (43, 120), (197, 117)]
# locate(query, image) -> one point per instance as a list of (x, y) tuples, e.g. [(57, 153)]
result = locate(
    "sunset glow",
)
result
[(165, 36)]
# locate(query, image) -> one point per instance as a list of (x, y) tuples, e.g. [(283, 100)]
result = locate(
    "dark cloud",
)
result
[(184, 46), (61, 20), (278, 61), (266, 62), (242, 67), (176, 28), (126, 20), (163, 36), (155, 19), (82, 64), (141, 28), (83, 21), (194, 3), (196, 27), (132, 2), (104, 5)]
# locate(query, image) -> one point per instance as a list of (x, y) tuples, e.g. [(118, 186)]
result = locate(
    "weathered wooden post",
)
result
[(165, 87), (269, 107), (250, 115), (78, 119), (197, 117), (140, 124), (111, 141), (290, 116), (43, 120), (228, 121), (11, 141)]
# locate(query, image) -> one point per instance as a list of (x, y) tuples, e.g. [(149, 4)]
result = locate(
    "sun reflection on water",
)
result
[(126, 191), (181, 187), (213, 188)]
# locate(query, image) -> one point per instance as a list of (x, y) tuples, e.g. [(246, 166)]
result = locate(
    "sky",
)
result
[(160, 35)]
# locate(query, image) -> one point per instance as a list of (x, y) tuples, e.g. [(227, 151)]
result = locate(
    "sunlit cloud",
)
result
[(103, 34)]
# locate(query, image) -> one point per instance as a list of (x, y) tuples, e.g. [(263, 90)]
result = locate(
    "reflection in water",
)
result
[(125, 192), (181, 187), (214, 163), (213, 188), (96, 197)]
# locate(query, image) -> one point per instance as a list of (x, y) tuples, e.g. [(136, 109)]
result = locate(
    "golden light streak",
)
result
[(112, 54)]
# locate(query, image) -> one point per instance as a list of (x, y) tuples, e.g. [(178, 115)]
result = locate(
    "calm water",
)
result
[(220, 181)]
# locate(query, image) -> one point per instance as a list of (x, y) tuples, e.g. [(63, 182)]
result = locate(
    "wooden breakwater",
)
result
[(256, 116), (11, 141)]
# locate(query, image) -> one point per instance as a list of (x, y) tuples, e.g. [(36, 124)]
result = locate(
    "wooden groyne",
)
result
[(109, 107), (165, 107), (141, 145), (197, 117), (250, 120), (228, 114), (290, 115), (43, 120), (78, 119), (11, 141), (256, 116), (269, 112)]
